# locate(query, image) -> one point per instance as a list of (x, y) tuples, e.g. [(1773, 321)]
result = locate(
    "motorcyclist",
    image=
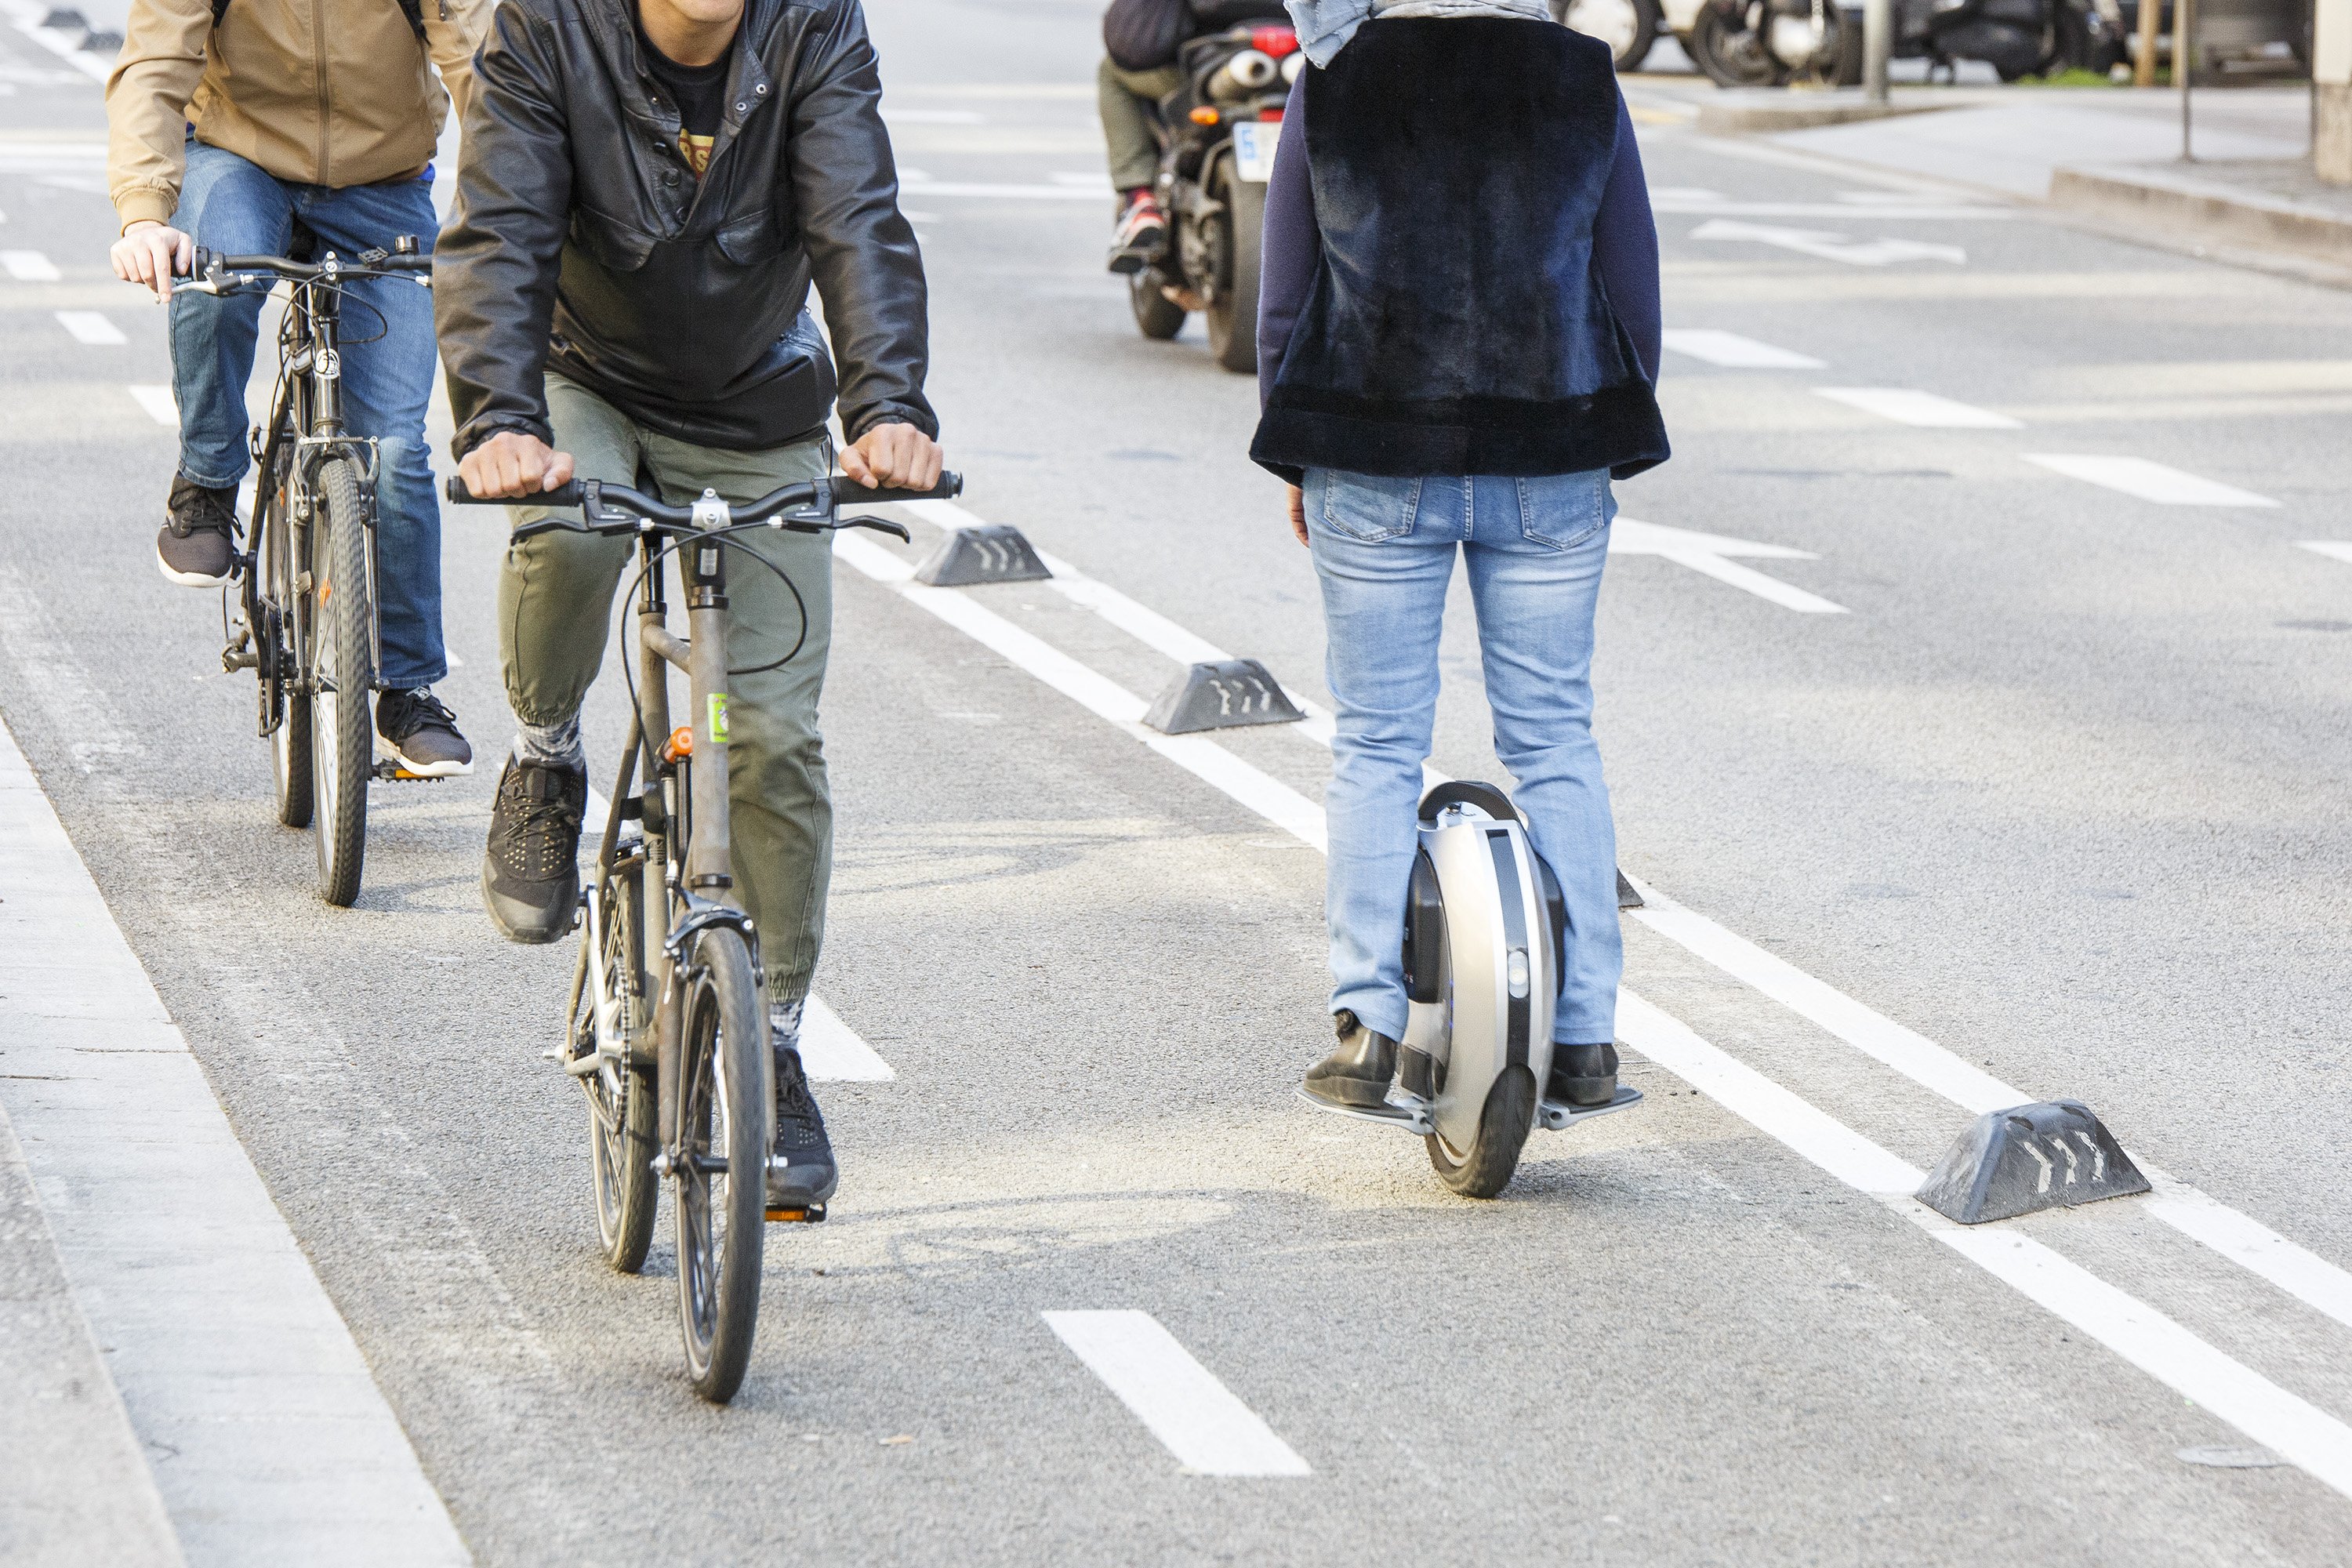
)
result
[(1140, 40), (624, 286), (230, 123)]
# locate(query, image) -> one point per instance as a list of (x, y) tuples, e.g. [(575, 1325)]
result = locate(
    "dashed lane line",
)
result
[(230, 1357), (28, 266), (1181, 1401), (1925, 410), (1730, 351), (2148, 481), (92, 327), (2239, 1237), (830, 1050), (2290, 1427), (2334, 549), (2135, 1330), (159, 402)]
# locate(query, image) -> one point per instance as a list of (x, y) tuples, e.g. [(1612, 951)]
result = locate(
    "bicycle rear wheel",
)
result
[(726, 1122), (609, 1015), (342, 732)]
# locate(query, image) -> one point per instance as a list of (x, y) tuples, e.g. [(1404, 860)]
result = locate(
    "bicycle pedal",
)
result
[(811, 1215), (394, 774)]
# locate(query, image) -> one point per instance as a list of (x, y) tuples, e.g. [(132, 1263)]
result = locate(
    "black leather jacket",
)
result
[(582, 242)]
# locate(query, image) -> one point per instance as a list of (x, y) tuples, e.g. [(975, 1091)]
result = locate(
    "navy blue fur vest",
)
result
[(1456, 323)]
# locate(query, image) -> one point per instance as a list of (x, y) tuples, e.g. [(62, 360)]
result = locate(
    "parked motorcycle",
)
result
[(1217, 135), (1773, 43)]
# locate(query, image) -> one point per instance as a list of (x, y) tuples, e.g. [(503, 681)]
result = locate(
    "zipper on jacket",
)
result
[(326, 98)]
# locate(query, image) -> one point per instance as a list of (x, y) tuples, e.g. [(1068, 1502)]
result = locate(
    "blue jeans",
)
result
[(234, 206), (1385, 549)]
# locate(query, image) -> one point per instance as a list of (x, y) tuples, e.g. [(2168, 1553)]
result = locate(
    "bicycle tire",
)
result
[(726, 1108), (343, 730), (622, 1100), (290, 739)]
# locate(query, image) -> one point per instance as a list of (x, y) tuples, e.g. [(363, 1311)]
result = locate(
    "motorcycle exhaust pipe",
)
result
[(1252, 70)]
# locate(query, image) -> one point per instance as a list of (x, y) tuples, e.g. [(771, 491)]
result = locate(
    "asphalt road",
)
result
[(2059, 787)]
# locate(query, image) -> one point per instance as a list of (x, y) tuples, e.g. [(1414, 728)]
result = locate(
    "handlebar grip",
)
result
[(566, 494), (849, 492)]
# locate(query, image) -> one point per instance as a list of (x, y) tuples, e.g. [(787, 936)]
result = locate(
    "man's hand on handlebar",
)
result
[(149, 252), (894, 456), (516, 465)]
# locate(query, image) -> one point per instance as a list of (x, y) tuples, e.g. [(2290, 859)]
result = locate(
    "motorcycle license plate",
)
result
[(1253, 144)]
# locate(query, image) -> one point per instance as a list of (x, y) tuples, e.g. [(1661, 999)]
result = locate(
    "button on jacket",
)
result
[(582, 242), (320, 92)]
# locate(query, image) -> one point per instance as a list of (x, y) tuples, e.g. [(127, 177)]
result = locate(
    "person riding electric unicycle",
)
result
[(238, 125), (1459, 336), (647, 193)]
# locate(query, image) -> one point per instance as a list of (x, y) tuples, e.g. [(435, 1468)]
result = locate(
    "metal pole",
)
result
[(1877, 44), (2184, 56)]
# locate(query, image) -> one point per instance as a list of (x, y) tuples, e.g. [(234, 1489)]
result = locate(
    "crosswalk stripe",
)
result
[(1925, 410), (2147, 480), (1732, 352), (159, 402), (28, 266), (91, 327)]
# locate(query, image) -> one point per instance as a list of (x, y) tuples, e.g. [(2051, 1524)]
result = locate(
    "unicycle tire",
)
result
[(622, 1097), (1485, 1168), (343, 727), (726, 1112)]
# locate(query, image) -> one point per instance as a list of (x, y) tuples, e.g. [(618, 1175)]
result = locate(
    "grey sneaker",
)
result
[(531, 871), (802, 1175), (421, 733), (197, 544)]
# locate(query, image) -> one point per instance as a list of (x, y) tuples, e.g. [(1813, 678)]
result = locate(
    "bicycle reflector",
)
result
[(679, 744)]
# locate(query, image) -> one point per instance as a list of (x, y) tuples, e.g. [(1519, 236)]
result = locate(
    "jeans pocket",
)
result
[(1365, 507), (1565, 510)]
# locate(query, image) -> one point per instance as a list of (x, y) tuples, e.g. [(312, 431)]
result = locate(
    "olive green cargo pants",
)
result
[(555, 602)]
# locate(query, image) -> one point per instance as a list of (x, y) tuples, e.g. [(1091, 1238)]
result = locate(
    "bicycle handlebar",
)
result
[(615, 508), (209, 270)]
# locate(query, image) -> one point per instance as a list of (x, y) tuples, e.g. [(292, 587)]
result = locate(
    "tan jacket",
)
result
[(324, 92)]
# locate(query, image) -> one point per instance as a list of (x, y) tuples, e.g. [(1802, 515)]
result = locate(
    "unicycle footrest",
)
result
[(1412, 1119), (1554, 1117)]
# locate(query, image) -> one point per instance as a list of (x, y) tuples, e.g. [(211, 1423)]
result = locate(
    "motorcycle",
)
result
[(1217, 135), (1773, 43)]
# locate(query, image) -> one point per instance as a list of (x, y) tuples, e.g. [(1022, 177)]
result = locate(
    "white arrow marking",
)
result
[(1707, 552), (2074, 1166), (2039, 1159), (1831, 247), (2098, 1155)]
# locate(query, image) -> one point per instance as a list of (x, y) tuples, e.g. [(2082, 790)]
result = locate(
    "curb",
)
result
[(1761, 113), (2142, 195)]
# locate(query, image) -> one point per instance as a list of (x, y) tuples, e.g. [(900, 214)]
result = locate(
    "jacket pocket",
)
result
[(612, 244), (750, 240), (1564, 510), (1366, 506)]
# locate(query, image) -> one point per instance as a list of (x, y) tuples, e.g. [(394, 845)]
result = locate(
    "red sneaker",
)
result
[(1141, 234)]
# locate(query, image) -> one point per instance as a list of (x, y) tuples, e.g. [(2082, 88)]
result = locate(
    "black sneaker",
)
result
[(421, 733), (531, 872), (1356, 1075), (197, 544), (801, 1174), (1582, 1075)]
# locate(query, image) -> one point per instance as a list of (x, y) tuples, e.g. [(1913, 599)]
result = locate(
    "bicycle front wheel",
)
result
[(610, 1019), (342, 737), (727, 1107), (285, 715)]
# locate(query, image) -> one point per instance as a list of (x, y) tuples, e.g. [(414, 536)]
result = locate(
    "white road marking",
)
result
[(2147, 480), (91, 327), (896, 116), (159, 402), (1945, 212), (2289, 1427), (230, 1357), (1707, 552), (1830, 247), (1908, 405), (28, 266), (2334, 549), (926, 189), (1180, 1401), (66, 45), (1733, 352), (830, 1050), (2289, 1267), (2238, 1236)]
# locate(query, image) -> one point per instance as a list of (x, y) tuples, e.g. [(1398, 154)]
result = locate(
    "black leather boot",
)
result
[(1584, 1075), (1356, 1075)]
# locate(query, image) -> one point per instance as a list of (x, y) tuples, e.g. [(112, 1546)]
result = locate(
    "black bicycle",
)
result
[(305, 622), (665, 1032)]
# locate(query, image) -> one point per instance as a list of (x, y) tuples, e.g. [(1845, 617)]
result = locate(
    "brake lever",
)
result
[(897, 530)]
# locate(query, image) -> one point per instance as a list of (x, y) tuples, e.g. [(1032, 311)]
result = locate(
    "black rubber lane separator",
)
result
[(993, 553), (1221, 696), (2052, 1154)]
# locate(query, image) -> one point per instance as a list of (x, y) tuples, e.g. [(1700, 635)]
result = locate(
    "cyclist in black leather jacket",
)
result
[(647, 192)]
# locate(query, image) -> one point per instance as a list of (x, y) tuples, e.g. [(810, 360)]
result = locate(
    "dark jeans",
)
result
[(235, 207)]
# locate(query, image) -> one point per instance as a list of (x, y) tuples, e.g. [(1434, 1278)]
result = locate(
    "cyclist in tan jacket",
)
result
[(237, 124)]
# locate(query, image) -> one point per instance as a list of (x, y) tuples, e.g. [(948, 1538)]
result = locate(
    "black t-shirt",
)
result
[(700, 94)]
